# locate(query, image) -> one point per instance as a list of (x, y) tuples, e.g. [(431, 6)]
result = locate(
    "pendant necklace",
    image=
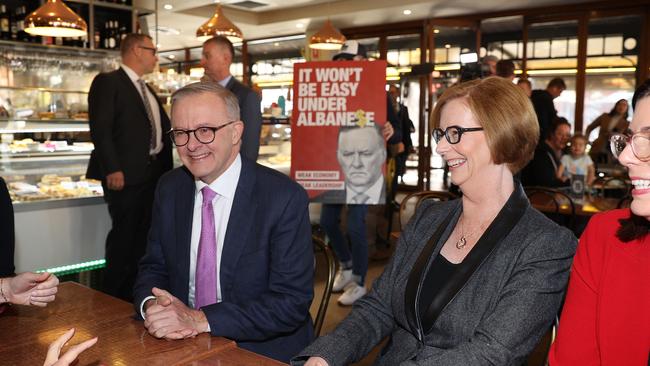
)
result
[(462, 242)]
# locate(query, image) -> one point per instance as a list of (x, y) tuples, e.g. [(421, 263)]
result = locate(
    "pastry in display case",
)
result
[(44, 134), (275, 145)]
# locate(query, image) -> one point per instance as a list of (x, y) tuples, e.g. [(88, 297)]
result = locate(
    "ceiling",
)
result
[(177, 26)]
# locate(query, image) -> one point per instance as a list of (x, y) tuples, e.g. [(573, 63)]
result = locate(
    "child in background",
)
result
[(578, 162)]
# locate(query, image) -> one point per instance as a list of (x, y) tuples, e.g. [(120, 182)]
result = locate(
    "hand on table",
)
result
[(169, 318), (115, 181), (30, 288), (316, 361), (54, 350)]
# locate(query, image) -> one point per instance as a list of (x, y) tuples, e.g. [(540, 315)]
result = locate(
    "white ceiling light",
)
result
[(299, 25), (168, 6), (407, 11)]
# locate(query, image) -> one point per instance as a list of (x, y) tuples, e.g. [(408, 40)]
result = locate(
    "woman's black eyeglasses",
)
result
[(452, 133), (204, 135)]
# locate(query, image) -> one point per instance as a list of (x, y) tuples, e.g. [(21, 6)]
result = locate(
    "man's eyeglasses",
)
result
[(640, 142), (204, 135), (452, 133), (152, 49)]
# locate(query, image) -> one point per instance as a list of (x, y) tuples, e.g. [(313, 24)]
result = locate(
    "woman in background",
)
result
[(606, 317), (613, 122)]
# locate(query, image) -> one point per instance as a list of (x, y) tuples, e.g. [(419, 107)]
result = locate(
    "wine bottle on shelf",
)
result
[(21, 12), (13, 27), (105, 35), (112, 41), (5, 26)]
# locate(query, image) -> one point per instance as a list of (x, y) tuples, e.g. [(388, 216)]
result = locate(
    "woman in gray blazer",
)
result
[(474, 281)]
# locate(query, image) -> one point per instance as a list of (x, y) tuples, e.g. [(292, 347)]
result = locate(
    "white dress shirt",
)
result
[(225, 187), (155, 109), (225, 81), (374, 192)]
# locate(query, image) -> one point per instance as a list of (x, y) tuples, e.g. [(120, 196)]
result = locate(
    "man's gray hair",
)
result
[(209, 87)]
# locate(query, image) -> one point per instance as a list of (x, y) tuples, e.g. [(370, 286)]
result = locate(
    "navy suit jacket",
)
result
[(251, 115), (267, 262)]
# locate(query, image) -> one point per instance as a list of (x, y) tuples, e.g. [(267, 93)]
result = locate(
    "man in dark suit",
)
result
[(127, 125), (229, 249), (218, 53), (544, 108)]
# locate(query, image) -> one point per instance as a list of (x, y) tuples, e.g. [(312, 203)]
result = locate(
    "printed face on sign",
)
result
[(361, 153)]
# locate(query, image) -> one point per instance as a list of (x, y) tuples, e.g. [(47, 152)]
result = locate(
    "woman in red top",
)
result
[(606, 315)]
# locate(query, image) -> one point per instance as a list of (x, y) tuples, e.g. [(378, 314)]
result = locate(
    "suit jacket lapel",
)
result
[(503, 223), (184, 212), (135, 94), (239, 226)]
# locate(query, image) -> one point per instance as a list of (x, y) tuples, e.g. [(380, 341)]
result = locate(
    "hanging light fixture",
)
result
[(55, 19), (327, 38), (219, 25)]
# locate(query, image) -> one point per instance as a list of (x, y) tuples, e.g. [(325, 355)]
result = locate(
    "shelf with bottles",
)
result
[(112, 20), (111, 25)]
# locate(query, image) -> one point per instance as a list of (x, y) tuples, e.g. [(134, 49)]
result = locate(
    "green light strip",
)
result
[(80, 267)]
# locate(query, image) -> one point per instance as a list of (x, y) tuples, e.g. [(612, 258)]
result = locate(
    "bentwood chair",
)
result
[(410, 203), (555, 204), (611, 187), (323, 250)]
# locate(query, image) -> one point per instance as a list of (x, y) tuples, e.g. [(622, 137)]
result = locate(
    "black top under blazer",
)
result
[(495, 318)]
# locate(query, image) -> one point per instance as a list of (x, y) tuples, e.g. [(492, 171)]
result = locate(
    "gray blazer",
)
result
[(495, 317), (251, 115)]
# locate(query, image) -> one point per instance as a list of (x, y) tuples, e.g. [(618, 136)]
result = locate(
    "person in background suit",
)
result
[(230, 249), (505, 69), (127, 125), (544, 108), (7, 235), (473, 281), (217, 56), (542, 170)]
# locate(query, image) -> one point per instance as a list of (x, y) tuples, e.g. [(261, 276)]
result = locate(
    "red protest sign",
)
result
[(337, 153)]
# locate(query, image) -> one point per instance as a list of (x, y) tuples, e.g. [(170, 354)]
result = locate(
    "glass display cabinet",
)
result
[(44, 151)]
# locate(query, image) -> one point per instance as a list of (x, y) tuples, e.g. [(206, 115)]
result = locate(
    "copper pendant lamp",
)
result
[(327, 38), (55, 19), (219, 25)]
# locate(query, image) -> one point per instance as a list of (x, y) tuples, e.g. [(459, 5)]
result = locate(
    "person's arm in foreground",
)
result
[(29, 288), (69, 357)]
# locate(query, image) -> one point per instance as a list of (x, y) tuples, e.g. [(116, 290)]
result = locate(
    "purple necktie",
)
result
[(205, 285)]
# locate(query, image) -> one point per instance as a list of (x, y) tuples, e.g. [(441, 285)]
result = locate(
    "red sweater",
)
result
[(606, 315)]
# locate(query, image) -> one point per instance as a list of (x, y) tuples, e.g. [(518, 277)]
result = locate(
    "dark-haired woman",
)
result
[(613, 122), (606, 316)]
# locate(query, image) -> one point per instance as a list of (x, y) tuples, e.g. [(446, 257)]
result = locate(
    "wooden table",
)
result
[(26, 332), (588, 206)]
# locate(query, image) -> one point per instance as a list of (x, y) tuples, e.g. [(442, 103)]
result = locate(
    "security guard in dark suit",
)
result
[(127, 126)]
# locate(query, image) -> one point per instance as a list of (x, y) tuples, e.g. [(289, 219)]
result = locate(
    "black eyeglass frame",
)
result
[(152, 49), (629, 140), (214, 130), (461, 131)]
